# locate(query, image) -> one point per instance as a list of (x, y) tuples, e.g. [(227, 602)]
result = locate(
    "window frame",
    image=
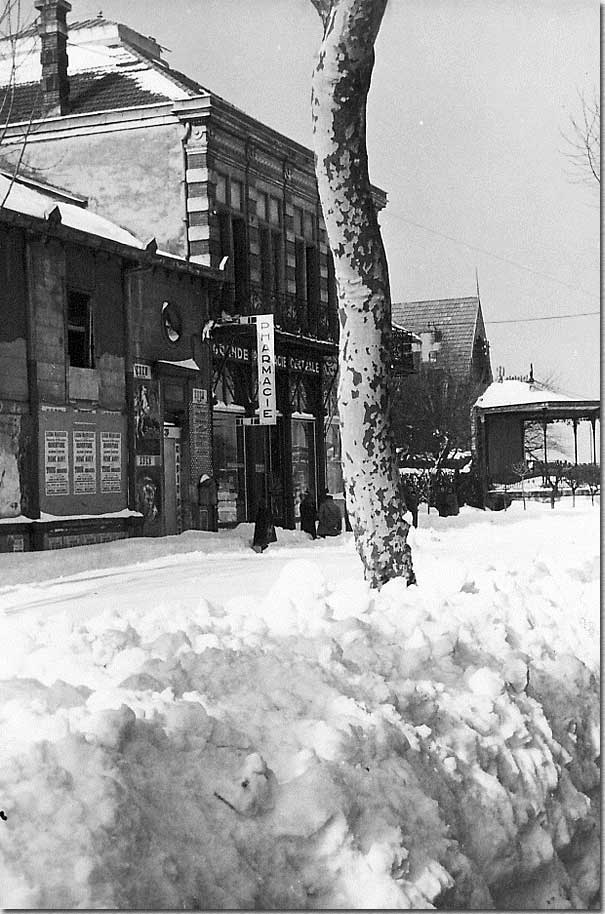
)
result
[(86, 328)]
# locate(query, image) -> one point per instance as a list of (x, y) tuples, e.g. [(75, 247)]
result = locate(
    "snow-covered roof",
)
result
[(110, 66), (509, 393), (459, 320), (38, 203)]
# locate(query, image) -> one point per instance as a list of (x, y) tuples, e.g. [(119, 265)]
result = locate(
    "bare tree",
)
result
[(584, 139), (591, 476), (341, 83), (573, 477), (12, 29), (521, 470)]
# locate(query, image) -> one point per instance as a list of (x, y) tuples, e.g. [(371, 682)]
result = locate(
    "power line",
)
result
[(447, 323), (512, 263), (546, 317)]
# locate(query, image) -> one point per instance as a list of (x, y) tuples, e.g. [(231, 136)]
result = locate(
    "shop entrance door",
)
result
[(264, 474), (173, 521)]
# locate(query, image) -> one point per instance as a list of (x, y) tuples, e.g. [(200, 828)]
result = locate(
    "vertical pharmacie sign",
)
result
[(265, 346)]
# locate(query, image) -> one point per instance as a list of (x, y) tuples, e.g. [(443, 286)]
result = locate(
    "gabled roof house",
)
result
[(452, 334)]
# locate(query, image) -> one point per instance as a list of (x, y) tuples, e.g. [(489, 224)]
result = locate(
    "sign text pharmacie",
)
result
[(265, 348)]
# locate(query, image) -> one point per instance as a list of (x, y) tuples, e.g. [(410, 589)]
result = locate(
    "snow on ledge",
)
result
[(51, 518), (191, 364)]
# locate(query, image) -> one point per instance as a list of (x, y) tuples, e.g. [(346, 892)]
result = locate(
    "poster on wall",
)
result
[(56, 469), (149, 493), (111, 463), (85, 463), (146, 416)]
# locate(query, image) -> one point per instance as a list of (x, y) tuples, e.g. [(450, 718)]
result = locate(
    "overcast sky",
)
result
[(467, 109)]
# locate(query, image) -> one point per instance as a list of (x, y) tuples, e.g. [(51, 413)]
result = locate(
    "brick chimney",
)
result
[(52, 29)]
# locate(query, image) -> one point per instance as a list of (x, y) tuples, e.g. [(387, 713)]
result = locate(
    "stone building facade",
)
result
[(104, 388), (158, 152)]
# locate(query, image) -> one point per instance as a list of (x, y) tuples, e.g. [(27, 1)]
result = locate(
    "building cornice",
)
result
[(142, 257), (68, 125)]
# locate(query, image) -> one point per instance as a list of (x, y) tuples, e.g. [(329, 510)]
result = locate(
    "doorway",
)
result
[(264, 469), (173, 515)]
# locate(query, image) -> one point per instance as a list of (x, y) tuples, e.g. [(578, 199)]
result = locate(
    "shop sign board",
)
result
[(111, 462), (239, 353), (265, 347), (56, 469), (199, 395), (85, 463)]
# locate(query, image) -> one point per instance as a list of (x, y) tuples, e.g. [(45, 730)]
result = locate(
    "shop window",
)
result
[(334, 480), (224, 388), (303, 456), (300, 398), (80, 333), (228, 459)]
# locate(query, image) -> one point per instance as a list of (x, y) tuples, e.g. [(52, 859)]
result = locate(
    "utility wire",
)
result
[(446, 324), (512, 263), (546, 317)]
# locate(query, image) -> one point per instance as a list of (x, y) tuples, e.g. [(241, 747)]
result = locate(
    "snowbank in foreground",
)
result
[(322, 746)]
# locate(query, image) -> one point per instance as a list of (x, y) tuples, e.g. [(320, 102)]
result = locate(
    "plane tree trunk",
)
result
[(341, 83)]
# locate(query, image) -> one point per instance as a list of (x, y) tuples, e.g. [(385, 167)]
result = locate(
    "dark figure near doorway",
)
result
[(411, 500), (348, 527), (308, 514), (264, 528), (330, 518)]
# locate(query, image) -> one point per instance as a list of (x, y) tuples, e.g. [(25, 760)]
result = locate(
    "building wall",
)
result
[(133, 177), (82, 453), (165, 393), (13, 318), (15, 420), (216, 151), (83, 458)]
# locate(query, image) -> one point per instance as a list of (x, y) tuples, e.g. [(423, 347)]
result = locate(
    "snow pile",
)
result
[(319, 744)]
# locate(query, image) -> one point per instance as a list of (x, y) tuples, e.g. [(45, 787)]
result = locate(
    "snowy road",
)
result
[(304, 742), (217, 577)]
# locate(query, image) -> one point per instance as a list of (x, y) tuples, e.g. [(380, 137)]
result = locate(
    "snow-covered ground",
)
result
[(188, 724)]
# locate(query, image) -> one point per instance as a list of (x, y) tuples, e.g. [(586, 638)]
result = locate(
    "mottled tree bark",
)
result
[(341, 82)]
